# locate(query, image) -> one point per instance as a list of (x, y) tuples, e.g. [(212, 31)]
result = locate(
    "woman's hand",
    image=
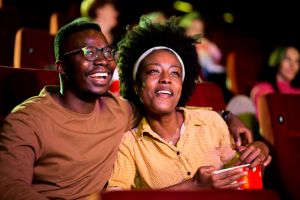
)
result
[(205, 178)]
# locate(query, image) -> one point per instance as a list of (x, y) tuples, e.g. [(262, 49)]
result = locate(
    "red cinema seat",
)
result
[(58, 19), (18, 84), (10, 22), (207, 94), (243, 69), (190, 195), (279, 120), (34, 49)]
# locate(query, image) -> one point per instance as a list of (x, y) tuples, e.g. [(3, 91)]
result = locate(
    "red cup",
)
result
[(253, 180)]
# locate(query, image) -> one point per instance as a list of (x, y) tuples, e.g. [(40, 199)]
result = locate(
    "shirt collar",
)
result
[(144, 128)]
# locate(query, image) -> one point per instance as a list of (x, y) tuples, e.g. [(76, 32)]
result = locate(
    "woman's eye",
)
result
[(177, 74), (153, 71)]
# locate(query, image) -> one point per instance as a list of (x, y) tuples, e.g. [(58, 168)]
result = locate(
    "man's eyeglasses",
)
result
[(91, 53)]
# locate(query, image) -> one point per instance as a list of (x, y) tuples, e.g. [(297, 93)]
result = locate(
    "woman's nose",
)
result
[(165, 78)]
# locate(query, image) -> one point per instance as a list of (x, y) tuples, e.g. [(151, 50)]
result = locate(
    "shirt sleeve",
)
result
[(18, 150), (124, 171)]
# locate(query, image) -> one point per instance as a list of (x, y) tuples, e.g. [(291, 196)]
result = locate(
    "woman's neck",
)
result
[(281, 79), (167, 126)]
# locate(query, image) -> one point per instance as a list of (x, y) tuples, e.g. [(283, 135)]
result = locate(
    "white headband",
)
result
[(146, 53)]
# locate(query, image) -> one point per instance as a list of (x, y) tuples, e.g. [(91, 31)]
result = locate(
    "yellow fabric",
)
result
[(145, 160)]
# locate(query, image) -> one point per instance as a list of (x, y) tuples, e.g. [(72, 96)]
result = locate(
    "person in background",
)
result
[(209, 54), (103, 12), (282, 74), (172, 146), (154, 17)]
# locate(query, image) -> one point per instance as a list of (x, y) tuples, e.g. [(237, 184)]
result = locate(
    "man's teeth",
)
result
[(100, 75), (164, 92)]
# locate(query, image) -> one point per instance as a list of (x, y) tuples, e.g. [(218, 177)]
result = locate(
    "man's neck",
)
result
[(72, 102)]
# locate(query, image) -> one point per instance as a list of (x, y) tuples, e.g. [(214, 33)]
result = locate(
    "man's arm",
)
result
[(17, 161), (241, 134)]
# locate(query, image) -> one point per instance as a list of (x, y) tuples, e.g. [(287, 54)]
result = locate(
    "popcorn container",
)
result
[(253, 179)]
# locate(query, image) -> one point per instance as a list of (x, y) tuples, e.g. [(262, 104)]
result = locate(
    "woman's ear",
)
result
[(136, 89)]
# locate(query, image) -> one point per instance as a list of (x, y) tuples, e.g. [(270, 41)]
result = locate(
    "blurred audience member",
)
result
[(282, 74), (154, 17), (104, 13), (208, 52)]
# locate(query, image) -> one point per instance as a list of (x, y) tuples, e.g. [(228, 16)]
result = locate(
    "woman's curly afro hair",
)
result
[(147, 35)]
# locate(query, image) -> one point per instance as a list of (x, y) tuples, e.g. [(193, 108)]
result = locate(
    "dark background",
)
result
[(270, 22)]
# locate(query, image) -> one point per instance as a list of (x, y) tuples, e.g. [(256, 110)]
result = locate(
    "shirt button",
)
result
[(178, 153), (189, 173)]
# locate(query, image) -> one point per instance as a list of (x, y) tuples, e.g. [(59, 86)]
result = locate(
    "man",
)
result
[(62, 144)]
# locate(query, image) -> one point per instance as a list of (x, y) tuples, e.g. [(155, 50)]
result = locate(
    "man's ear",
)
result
[(59, 67)]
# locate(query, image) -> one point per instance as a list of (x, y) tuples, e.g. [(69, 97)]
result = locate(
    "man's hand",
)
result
[(255, 154)]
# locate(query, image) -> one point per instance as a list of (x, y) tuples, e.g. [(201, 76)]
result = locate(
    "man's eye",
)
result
[(107, 52), (88, 52)]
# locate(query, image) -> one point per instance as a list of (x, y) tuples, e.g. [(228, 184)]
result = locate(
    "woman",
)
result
[(281, 76), (172, 146)]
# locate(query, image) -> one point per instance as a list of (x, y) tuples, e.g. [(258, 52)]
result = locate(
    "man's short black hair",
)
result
[(77, 25)]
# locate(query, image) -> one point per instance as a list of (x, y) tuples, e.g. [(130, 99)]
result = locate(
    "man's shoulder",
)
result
[(34, 102), (117, 105), (113, 100)]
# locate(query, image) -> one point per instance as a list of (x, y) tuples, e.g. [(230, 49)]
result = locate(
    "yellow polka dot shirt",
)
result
[(146, 161)]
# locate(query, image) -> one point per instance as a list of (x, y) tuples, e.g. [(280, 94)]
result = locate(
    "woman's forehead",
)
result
[(161, 55)]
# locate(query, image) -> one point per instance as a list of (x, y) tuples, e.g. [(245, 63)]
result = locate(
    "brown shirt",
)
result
[(49, 151)]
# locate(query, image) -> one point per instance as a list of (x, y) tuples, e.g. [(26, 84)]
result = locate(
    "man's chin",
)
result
[(101, 91), (92, 95)]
